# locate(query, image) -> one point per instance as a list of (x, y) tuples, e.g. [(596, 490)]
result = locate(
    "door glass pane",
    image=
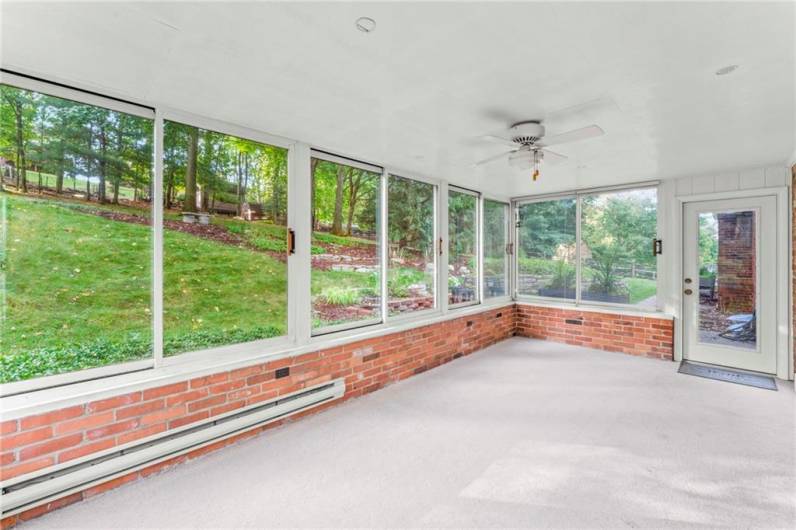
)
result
[(75, 236), (224, 239), (617, 263), (546, 253), (496, 261), (410, 228), (462, 247), (727, 279), (346, 279)]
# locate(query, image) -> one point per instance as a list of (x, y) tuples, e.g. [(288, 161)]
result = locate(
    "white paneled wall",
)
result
[(706, 187), (744, 179)]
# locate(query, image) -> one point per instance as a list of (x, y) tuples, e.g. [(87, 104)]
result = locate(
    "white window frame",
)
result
[(508, 280), (117, 105), (379, 170), (578, 195), (436, 309), (48, 392), (479, 257), (208, 124)]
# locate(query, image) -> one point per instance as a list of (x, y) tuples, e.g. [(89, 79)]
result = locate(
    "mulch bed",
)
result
[(337, 313)]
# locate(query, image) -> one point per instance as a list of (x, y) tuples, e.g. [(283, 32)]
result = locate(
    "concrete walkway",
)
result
[(523, 434)]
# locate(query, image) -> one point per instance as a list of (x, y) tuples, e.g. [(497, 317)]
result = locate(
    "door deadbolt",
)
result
[(687, 280)]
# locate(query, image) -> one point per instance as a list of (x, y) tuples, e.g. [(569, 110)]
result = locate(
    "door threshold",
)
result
[(729, 375)]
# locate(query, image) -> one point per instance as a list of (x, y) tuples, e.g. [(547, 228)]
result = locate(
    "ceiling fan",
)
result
[(530, 144)]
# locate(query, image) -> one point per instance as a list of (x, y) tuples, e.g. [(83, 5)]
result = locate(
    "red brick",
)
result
[(186, 397), (167, 390), (114, 402), (206, 403), (227, 407), (112, 429), (111, 484), (51, 506), (86, 422), (192, 418), (209, 380), (8, 472), (49, 418), (140, 409), (25, 438), (7, 427), (163, 415), (87, 449), (140, 433), (50, 446)]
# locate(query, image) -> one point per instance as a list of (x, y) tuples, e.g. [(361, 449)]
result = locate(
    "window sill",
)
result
[(596, 308), (48, 399)]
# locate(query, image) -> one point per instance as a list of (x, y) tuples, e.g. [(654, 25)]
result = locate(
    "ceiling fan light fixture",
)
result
[(365, 24)]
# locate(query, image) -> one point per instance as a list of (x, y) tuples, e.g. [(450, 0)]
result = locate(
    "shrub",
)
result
[(400, 280), (50, 361), (334, 295)]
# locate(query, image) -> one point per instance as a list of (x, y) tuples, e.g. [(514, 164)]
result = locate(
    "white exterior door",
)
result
[(729, 282)]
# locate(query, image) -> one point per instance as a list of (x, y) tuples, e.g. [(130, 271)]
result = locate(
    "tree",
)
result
[(617, 230), (21, 109), (337, 219), (189, 204)]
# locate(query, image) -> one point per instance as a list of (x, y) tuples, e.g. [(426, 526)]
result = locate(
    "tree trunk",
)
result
[(314, 207), (353, 192), (238, 207), (337, 220), (21, 171), (103, 164), (59, 179), (190, 172)]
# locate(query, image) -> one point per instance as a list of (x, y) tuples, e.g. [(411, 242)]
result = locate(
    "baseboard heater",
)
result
[(34, 489)]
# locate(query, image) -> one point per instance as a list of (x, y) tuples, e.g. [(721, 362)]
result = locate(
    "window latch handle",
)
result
[(440, 246), (657, 247), (509, 248), (291, 241)]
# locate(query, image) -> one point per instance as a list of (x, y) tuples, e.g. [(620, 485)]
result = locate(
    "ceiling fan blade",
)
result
[(498, 140), (491, 158), (592, 131), (552, 158)]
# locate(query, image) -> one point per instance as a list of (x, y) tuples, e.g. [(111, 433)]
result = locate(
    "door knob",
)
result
[(688, 291), (687, 280)]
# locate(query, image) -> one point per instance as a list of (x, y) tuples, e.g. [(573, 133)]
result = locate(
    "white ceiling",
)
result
[(417, 92)]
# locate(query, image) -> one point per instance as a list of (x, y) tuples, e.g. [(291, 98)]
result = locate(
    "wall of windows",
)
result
[(76, 247), (613, 257), (89, 282), (495, 241), (346, 245), (411, 234), (224, 239), (462, 247)]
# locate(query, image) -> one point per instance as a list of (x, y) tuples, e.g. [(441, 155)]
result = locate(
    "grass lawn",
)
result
[(78, 287), (640, 289), (78, 291)]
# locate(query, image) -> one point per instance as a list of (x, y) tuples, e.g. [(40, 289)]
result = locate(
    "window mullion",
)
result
[(384, 248), (578, 244), (157, 242), (299, 264)]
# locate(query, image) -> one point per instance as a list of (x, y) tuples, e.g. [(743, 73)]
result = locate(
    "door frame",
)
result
[(785, 368)]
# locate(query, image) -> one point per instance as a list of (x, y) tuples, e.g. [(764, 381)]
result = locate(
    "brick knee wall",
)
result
[(36, 442), (636, 335)]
